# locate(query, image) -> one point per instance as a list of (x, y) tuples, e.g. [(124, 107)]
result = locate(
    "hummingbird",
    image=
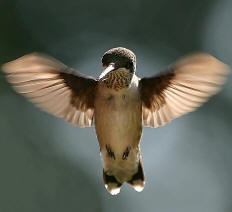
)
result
[(118, 103)]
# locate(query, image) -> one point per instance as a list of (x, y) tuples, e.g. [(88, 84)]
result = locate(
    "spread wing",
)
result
[(181, 89), (53, 87)]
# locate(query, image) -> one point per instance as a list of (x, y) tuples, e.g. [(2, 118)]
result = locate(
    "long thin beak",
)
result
[(107, 70)]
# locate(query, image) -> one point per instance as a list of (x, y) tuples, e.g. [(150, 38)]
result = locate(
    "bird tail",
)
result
[(138, 180), (111, 184)]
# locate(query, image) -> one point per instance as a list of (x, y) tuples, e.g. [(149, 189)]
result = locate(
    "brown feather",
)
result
[(181, 89), (53, 87)]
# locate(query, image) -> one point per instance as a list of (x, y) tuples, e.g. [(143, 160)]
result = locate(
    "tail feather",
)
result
[(111, 184), (138, 180)]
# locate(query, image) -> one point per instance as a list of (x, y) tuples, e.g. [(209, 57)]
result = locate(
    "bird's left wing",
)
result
[(53, 87), (181, 89)]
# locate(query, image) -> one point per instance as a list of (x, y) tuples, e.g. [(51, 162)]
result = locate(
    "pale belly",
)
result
[(118, 123), (118, 119)]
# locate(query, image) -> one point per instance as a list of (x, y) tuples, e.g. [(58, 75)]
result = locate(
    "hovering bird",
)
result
[(118, 103)]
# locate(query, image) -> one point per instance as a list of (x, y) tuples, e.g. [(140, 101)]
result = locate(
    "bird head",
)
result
[(118, 63)]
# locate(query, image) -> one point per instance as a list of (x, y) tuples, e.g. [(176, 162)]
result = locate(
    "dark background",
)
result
[(48, 165)]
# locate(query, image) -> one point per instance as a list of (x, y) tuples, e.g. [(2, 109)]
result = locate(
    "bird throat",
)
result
[(118, 79)]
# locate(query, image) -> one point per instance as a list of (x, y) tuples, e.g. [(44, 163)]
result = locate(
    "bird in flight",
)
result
[(118, 103)]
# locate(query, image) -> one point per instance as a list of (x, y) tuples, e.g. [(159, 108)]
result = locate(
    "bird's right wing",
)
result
[(181, 89), (53, 87)]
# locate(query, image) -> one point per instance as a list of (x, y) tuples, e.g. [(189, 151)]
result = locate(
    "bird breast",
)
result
[(118, 117), (118, 123)]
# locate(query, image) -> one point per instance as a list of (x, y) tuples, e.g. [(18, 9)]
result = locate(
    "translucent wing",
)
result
[(181, 89), (53, 87)]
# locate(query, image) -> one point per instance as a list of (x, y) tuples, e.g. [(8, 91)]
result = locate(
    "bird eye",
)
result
[(129, 65)]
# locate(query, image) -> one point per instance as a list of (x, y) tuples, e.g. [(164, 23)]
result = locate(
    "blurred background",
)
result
[(49, 165)]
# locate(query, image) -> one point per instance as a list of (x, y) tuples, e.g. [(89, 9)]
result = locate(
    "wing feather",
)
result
[(53, 87), (185, 86)]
